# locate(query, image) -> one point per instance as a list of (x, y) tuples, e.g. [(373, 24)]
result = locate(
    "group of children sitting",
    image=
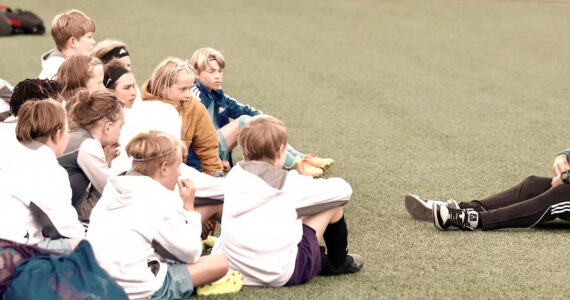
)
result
[(139, 174)]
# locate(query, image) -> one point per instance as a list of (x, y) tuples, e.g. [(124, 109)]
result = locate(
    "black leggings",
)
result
[(530, 202)]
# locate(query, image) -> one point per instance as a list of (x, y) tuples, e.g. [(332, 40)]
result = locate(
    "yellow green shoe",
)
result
[(231, 283), (318, 162), (209, 242), (304, 168)]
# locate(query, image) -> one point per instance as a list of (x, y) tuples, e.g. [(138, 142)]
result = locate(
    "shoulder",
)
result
[(196, 92), (93, 147)]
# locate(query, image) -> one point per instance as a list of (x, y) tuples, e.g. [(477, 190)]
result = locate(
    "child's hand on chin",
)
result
[(187, 192)]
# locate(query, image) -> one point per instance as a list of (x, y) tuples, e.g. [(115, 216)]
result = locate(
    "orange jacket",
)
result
[(197, 130)]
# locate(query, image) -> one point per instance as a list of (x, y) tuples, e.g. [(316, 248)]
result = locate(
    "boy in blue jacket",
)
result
[(208, 65)]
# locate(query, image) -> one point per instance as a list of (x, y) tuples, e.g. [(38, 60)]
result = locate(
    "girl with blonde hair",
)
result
[(162, 219), (170, 83), (107, 50)]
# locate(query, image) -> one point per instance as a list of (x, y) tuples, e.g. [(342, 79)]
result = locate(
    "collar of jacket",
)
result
[(215, 95)]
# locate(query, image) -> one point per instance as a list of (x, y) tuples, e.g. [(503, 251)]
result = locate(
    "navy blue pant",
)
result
[(527, 204)]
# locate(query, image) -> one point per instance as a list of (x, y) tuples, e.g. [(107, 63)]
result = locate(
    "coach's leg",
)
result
[(529, 188), (555, 201)]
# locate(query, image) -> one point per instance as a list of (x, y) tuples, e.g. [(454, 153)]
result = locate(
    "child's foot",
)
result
[(353, 264), (231, 283), (209, 242), (444, 217), (318, 162), (421, 208), (304, 168)]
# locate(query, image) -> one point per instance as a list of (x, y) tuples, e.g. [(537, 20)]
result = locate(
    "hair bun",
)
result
[(82, 95)]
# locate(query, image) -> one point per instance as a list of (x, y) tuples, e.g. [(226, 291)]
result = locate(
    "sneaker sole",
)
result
[(326, 166), (417, 209), (436, 219)]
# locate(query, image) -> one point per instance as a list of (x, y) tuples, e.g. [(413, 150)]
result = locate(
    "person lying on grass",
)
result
[(527, 204)]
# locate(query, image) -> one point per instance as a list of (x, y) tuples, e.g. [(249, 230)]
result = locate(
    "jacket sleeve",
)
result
[(313, 196), (179, 232), (206, 186), (205, 141), (91, 160), (236, 109), (54, 206), (565, 151)]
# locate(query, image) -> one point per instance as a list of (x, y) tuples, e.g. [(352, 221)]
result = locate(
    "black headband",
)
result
[(114, 75), (117, 52)]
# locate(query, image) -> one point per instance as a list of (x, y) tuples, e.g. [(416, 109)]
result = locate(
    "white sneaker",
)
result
[(421, 208)]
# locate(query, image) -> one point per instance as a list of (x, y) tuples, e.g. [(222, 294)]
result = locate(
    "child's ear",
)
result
[(71, 42), (56, 137), (163, 168), (107, 128)]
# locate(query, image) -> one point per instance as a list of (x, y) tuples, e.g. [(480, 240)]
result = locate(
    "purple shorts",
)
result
[(308, 262)]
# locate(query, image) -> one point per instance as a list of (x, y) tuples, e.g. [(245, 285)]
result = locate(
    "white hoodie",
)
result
[(133, 212), (155, 115), (51, 61), (260, 224), (29, 173)]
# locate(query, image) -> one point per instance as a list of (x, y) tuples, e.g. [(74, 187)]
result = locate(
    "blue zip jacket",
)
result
[(225, 107)]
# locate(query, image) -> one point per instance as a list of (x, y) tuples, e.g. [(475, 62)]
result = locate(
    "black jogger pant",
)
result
[(530, 202)]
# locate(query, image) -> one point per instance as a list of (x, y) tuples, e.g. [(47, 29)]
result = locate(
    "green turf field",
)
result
[(444, 99)]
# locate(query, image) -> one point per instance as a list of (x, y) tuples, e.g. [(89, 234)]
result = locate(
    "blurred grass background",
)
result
[(445, 99)]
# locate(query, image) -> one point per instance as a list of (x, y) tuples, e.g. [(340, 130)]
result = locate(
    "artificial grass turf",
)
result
[(443, 99)]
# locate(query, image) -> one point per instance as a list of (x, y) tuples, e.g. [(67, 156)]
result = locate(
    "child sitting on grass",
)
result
[(96, 119), (208, 65), (273, 219), (141, 220), (35, 206), (170, 84), (72, 33), (79, 72)]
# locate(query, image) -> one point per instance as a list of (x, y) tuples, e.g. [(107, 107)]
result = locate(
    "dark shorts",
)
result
[(308, 262)]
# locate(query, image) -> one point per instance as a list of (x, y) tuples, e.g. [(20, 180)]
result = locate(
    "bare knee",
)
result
[(221, 264)]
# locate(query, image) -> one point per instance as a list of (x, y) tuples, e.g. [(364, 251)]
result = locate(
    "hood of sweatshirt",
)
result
[(262, 177), (51, 53), (124, 189), (24, 155)]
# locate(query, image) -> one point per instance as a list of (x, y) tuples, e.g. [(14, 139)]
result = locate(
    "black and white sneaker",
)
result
[(421, 208), (444, 217)]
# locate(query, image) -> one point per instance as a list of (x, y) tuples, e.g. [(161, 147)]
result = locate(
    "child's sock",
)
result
[(291, 157), (336, 239)]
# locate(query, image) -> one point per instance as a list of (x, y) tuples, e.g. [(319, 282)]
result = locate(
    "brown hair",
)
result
[(201, 58), (105, 46), (40, 120), (165, 74), (91, 107), (108, 70), (73, 23), (151, 148), (75, 72), (262, 138)]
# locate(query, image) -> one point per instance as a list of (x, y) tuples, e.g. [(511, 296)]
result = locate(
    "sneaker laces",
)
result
[(458, 217)]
